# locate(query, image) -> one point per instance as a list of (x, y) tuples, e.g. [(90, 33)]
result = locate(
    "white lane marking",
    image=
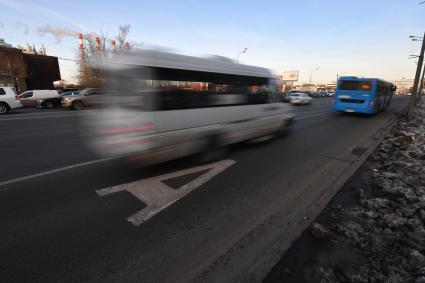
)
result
[(38, 117), (158, 196), (314, 115), (20, 179)]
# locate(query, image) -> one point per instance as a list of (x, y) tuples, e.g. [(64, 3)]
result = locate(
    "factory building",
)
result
[(27, 68)]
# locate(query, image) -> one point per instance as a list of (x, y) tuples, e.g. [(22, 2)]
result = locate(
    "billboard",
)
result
[(291, 76)]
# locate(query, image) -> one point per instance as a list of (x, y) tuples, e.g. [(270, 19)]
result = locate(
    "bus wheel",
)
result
[(213, 152), (377, 108), (286, 127), (385, 107)]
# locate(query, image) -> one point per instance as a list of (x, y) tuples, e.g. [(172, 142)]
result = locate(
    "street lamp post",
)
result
[(413, 97), (311, 74), (240, 53)]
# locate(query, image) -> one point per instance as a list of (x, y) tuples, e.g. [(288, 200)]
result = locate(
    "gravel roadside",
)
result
[(374, 228)]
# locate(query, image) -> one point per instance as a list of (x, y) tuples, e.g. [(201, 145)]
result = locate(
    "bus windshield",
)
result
[(355, 85)]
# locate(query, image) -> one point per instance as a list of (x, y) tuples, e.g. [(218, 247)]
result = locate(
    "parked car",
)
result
[(8, 99), (295, 91), (62, 90), (88, 97), (285, 97), (49, 103), (311, 94), (30, 97), (300, 98)]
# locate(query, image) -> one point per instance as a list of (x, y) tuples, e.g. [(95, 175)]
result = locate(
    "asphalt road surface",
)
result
[(63, 220)]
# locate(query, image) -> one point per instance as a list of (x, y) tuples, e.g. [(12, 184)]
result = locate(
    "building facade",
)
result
[(27, 70)]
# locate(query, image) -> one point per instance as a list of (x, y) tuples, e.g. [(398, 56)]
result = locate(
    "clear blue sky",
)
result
[(359, 37)]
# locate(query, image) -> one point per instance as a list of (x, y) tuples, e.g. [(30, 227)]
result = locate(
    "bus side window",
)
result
[(261, 96)]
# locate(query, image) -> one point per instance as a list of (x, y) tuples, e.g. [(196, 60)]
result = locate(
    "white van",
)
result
[(8, 99), (163, 106), (31, 97)]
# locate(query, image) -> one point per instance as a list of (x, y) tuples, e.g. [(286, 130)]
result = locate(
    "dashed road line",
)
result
[(314, 115), (20, 179), (38, 117)]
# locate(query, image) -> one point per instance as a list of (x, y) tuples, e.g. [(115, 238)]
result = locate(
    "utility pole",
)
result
[(413, 97), (422, 83)]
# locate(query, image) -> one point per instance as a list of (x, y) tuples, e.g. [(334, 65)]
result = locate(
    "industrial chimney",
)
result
[(97, 43), (80, 40), (113, 44)]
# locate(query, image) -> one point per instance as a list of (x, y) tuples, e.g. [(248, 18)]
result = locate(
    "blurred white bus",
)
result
[(165, 106)]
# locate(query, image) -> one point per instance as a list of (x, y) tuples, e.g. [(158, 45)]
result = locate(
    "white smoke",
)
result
[(57, 32)]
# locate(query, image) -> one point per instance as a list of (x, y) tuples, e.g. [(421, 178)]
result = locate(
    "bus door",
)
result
[(381, 96)]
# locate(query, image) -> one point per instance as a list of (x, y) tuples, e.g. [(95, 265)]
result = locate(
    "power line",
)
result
[(67, 59)]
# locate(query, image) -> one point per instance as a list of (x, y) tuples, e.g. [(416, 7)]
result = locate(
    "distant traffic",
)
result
[(352, 94)]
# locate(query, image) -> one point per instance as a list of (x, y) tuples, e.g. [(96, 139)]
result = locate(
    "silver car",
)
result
[(88, 97), (300, 98)]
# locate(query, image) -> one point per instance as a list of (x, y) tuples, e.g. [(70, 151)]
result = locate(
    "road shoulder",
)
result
[(251, 258)]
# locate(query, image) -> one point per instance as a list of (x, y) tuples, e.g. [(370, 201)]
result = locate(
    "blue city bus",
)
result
[(362, 95)]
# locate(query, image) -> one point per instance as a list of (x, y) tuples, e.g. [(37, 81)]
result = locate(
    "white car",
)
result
[(8, 99), (300, 98), (31, 97)]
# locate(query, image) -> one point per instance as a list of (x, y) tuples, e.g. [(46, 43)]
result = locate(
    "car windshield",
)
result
[(85, 91), (69, 93), (294, 94)]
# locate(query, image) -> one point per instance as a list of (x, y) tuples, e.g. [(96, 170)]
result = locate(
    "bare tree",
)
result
[(122, 36), (12, 67), (99, 48)]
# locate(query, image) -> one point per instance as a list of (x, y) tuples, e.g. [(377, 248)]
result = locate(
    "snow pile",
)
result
[(385, 229)]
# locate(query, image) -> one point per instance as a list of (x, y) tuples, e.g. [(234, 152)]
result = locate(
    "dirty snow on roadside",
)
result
[(385, 229)]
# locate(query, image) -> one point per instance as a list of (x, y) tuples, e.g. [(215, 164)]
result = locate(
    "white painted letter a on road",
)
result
[(158, 196)]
